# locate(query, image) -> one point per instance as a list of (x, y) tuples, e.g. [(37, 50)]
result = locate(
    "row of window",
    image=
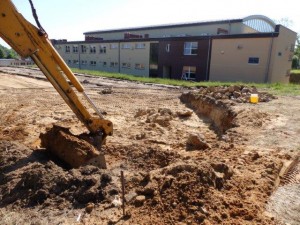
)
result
[(102, 48), (21, 63), (190, 48), (251, 60), (139, 66)]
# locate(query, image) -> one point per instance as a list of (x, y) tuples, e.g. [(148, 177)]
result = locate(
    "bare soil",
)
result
[(189, 156)]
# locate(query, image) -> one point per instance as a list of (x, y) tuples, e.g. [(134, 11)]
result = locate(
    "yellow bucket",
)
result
[(254, 98)]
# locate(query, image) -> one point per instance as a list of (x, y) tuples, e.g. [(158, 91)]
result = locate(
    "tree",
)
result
[(285, 22), (295, 62), (1, 54), (9, 55), (297, 46)]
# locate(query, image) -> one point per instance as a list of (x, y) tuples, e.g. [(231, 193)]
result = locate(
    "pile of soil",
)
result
[(235, 93), (179, 190), (220, 186), (31, 178)]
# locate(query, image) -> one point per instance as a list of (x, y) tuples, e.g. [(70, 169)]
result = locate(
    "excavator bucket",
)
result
[(74, 150)]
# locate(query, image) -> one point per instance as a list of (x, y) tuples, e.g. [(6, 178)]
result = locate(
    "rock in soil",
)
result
[(197, 141)]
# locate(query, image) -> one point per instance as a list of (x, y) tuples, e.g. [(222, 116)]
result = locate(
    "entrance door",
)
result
[(167, 71), (153, 68)]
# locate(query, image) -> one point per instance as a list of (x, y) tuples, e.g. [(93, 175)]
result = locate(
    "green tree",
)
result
[(295, 62), (1, 54), (9, 55), (297, 46)]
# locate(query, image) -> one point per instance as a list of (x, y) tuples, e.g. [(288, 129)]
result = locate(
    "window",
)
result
[(92, 49), (139, 66), (292, 48), (75, 62), (190, 48), (83, 49), (69, 61), (126, 46), (126, 65), (102, 49), (93, 63), (168, 47), (114, 46), (67, 49), (75, 48), (104, 64), (83, 62), (189, 73), (113, 64), (140, 45), (253, 60)]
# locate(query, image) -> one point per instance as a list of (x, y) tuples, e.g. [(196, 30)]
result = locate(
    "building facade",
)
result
[(253, 49), (16, 62)]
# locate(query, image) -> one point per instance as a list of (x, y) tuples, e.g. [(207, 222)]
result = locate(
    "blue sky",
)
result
[(69, 19)]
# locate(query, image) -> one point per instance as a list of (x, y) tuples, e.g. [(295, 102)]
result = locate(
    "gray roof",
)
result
[(166, 26)]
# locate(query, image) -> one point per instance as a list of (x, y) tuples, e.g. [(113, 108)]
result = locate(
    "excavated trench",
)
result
[(218, 113), (284, 202)]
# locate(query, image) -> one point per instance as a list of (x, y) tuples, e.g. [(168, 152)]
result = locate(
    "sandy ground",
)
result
[(228, 182)]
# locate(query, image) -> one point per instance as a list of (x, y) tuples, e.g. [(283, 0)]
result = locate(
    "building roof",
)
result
[(191, 38), (164, 26)]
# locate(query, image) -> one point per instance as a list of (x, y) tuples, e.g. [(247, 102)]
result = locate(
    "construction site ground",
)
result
[(182, 165)]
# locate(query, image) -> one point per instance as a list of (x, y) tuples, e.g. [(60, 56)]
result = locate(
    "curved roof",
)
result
[(260, 23)]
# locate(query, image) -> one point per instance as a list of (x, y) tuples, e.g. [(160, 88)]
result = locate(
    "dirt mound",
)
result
[(252, 118), (236, 93), (143, 158), (179, 190), (162, 117), (31, 179), (209, 193)]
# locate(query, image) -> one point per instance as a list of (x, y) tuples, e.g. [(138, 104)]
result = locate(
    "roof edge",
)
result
[(232, 36), (153, 27)]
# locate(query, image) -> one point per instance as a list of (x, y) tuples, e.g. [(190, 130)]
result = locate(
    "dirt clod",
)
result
[(197, 141), (139, 200), (89, 208), (69, 148)]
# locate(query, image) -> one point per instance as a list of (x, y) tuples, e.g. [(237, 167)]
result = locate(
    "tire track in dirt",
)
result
[(284, 203)]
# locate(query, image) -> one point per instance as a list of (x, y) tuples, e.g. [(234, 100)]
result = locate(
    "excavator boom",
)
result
[(30, 41)]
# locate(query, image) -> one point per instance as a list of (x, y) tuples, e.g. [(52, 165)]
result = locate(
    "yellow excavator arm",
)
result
[(30, 41)]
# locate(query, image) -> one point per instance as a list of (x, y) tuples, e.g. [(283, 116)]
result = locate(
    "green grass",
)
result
[(295, 71), (274, 88)]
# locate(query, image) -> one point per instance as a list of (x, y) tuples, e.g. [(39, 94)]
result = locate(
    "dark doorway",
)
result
[(153, 65), (167, 71)]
